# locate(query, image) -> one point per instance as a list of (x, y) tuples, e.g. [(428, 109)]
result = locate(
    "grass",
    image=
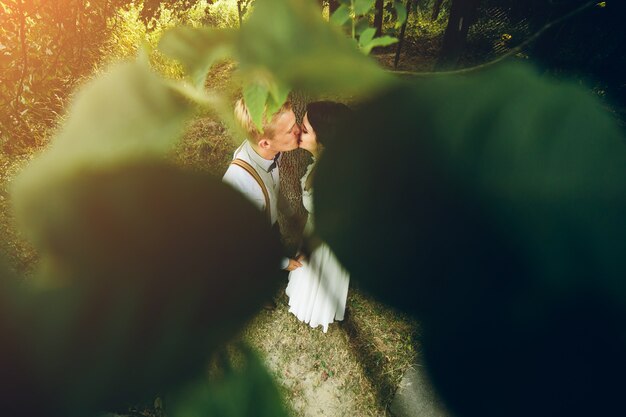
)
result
[(353, 369)]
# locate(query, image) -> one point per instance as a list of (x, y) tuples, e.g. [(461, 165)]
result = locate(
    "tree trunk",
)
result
[(403, 30), (436, 10), (292, 215), (378, 17), (462, 16), (332, 6)]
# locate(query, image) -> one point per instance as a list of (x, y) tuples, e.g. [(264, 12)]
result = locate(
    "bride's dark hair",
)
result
[(326, 117)]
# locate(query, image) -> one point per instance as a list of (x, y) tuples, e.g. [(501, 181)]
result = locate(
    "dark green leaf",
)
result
[(361, 25), (505, 192), (475, 161)]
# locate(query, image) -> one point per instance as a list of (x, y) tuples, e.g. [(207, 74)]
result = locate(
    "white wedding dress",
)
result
[(317, 290)]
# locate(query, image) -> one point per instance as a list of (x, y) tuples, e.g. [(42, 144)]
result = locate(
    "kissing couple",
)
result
[(318, 284)]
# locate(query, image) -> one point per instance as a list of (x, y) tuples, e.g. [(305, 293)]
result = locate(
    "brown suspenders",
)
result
[(250, 170)]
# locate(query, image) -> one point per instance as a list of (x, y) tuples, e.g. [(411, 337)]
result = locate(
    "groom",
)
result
[(255, 169)]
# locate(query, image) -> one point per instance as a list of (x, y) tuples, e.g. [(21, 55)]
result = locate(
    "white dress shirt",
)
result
[(243, 182)]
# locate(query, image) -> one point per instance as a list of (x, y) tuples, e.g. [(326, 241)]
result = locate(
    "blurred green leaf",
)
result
[(362, 7), (127, 112), (487, 172), (278, 96), (255, 94), (506, 193), (341, 15), (197, 49)]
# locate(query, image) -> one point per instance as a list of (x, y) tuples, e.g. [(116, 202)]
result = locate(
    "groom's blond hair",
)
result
[(242, 114)]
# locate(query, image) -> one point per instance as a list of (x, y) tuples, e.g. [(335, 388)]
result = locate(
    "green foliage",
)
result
[(357, 12), (45, 47), (255, 95), (130, 33), (401, 13), (421, 26), (224, 13), (48, 47)]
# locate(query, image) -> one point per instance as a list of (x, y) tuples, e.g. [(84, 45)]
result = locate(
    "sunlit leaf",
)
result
[(380, 41), (255, 95), (277, 97)]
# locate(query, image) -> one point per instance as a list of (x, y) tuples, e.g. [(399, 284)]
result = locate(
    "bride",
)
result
[(318, 290)]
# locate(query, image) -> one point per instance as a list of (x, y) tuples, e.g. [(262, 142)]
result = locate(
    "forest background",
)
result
[(51, 48)]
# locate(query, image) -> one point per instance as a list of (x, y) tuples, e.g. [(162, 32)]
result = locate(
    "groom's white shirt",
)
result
[(242, 181)]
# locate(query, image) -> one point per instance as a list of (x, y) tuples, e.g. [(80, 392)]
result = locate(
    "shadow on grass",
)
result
[(382, 342)]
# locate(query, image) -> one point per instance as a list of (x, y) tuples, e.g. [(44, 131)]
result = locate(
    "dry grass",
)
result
[(353, 370)]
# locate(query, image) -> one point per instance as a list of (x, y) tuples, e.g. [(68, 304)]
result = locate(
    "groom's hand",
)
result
[(293, 264)]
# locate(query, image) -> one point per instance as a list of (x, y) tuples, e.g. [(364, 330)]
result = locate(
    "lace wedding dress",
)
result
[(317, 290)]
